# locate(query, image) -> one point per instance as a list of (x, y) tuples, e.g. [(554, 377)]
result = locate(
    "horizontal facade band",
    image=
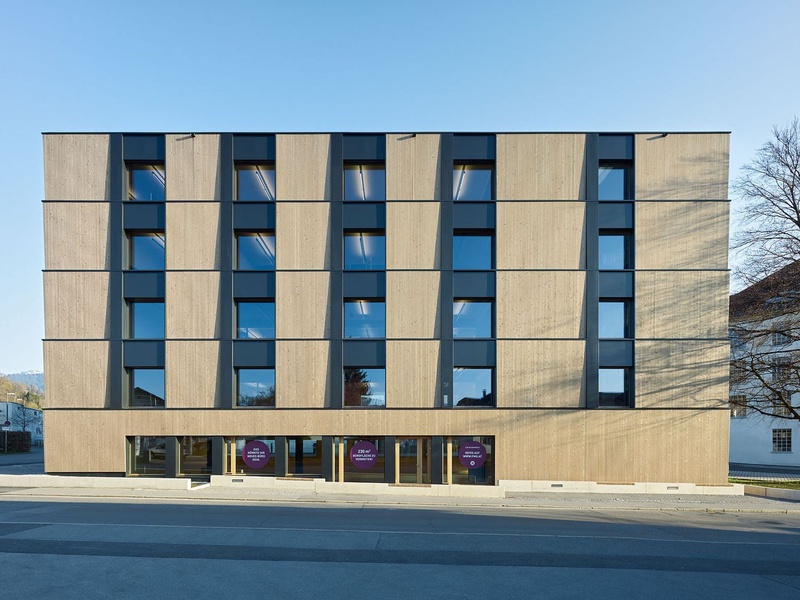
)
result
[(435, 409)]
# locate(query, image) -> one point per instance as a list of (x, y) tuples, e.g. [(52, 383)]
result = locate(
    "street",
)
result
[(138, 549)]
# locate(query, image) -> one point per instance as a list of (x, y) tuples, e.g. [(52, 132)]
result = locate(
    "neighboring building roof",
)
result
[(768, 297)]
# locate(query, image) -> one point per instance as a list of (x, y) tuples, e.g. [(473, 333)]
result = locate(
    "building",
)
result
[(430, 307), (22, 418), (765, 370)]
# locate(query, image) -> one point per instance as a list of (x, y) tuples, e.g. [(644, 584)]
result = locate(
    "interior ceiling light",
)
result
[(461, 179), (363, 184), (263, 182)]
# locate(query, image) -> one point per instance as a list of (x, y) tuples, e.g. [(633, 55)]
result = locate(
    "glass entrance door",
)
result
[(413, 457)]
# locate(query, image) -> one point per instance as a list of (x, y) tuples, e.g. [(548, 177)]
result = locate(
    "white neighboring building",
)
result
[(13, 412)]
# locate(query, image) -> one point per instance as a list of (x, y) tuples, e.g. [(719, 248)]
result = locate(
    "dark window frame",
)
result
[(492, 317), (237, 304), (345, 301), (476, 233), (267, 233), (238, 383), (627, 234), (247, 165), (344, 387), (493, 371), (140, 165), (628, 179), (131, 390), (131, 255), (348, 165), (363, 232), (477, 163), (131, 324)]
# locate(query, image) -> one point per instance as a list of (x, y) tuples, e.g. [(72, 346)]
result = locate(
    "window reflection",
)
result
[(148, 455), (364, 319), (472, 252), (147, 320), (364, 182), (613, 385), (613, 183), (472, 387), (255, 182), (472, 182), (612, 252), (255, 387), (472, 319), (364, 387), (147, 182), (364, 251), (255, 320), (612, 319), (146, 387), (255, 251), (147, 251)]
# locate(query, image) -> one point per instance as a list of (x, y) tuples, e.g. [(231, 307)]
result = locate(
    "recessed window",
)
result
[(364, 387), (147, 320), (473, 387), (148, 455), (472, 319), (255, 387), (146, 251), (473, 182), (255, 182), (613, 182), (255, 251), (781, 440), (781, 368), (738, 407), (147, 182), (255, 320), (612, 319), (364, 319), (364, 251), (364, 182), (146, 388), (780, 338), (613, 251), (473, 252), (613, 385)]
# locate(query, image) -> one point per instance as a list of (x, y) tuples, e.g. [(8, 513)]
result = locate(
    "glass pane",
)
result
[(147, 320), (472, 252), (256, 320), (363, 319), (304, 456), (365, 182), (612, 320), (611, 252), (147, 252), (472, 319), (611, 183), (255, 182), (472, 182), (462, 473), (195, 455), (255, 251), (364, 251), (243, 468), (364, 387), (256, 387), (147, 387), (613, 387), (148, 455), (472, 387), (364, 471), (147, 182)]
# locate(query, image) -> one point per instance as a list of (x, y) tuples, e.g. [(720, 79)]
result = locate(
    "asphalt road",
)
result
[(152, 550)]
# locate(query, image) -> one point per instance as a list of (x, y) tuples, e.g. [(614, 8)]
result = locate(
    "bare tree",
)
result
[(765, 316), (26, 418)]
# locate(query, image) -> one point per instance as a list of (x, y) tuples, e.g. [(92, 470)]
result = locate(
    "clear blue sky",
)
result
[(368, 65)]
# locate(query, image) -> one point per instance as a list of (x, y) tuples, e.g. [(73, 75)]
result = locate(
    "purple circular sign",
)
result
[(363, 455), (472, 455), (256, 454)]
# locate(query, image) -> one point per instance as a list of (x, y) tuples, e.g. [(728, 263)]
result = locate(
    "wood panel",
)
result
[(541, 166), (412, 304), (682, 304), (76, 235), (413, 376), (302, 167), (193, 166), (303, 375), (413, 235), (682, 374), (541, 235), (540, 374), (76, 305), (76, 167), (302, 300), (76, 374), (303, 235), (193, 236), (682, 166), (192, 306), (541, 304), (413, 169), (193, 375), (682, 235)]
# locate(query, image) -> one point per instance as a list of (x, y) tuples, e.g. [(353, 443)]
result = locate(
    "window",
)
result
[(473, 252), (364, 251), (612, 319), (472, 319), (147, 182), (737, 343), (364, 182), (364, 387), (781, 368), (613, 252), (255, 320), (473, 387), (146, 320), (255, 387), (613, 386), (781, 440), (779, 338), (255, 182), (738, 407), (148, 455), (146, 251), (146, 387), (473, 182), (364, 319), (613, 182), (255, 251)]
